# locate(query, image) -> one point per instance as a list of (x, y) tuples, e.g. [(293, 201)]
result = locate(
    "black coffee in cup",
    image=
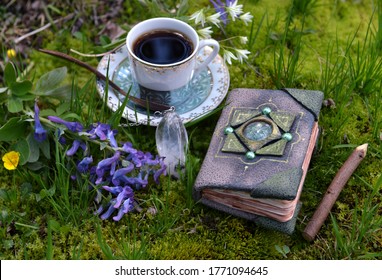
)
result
[(163, 47)]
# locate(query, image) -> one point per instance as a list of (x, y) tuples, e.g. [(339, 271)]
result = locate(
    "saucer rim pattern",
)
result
[(220, 84)]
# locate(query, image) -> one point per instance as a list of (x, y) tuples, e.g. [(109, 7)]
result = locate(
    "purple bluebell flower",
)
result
[(76, 144), (62, 140), (40, 133), (220, 8), (111, 138), (128, 148), (109, 211), (113, 190), (132, 181), (126, 193), (72, 126), (84, 164), (121, 172), (99, 210), (106, 163), (160, 171), (140, 159), (140, 181), (127, 206), (99, 131)]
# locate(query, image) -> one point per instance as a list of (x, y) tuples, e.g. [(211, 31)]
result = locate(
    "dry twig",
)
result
[(333, 192), (18, 40)]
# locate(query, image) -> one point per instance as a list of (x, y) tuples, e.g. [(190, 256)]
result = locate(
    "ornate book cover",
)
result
[(259, 155)]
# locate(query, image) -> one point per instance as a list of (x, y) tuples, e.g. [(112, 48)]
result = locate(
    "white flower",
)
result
[(227, 55), (243, 39), (242, 54), (235, 10), (246, 18), (205, 32), (215, 19), (199, 16)]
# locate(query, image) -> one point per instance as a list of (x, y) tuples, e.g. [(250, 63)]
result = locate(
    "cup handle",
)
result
[(215, 50)]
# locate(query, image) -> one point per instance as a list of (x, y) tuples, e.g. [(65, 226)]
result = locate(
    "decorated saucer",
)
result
[(202, 95)]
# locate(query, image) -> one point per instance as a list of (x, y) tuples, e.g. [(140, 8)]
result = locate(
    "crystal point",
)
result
[(172, 142)]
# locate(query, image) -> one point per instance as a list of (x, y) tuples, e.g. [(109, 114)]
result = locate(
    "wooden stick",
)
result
[(18, 40), (333, 192)]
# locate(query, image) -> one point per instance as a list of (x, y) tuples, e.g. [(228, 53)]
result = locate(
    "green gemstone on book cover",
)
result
[(266, 111), (240, 116), (233, 145), (250, 155), (283, 119), (228, 130), (287, 136), (275, 149)]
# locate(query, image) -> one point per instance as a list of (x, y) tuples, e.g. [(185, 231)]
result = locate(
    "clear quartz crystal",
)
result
[(172, 142)]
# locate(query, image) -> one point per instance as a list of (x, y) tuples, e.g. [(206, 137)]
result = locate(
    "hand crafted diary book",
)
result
[(259, 154)]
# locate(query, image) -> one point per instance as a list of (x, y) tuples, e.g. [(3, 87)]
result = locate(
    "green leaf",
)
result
[(45, 148), (27, 97), (62, 92), (3, 194), (105, 40), (54, 225), (25, 189), (35, 166), (62, 108), (47, 112), (22, 147), (34, 148), (50, 80), (8, 244), (15, 105), (21, 88), (13, 129), (80, 36), (47, 192), (9, 74), (71, 116)]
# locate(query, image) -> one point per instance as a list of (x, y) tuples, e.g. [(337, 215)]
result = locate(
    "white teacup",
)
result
[(165, 75)]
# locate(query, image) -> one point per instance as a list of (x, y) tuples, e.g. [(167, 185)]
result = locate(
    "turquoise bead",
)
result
[(228, 130), (250, 155), (287, 136), (266, 111)]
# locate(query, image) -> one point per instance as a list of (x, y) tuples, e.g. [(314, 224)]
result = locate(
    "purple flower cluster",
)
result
[(125, 170)]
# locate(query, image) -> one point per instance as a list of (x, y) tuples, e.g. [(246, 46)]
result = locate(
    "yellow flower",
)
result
[(11, 53), (11, 160)]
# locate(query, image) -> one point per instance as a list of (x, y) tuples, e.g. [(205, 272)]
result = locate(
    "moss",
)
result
[(177, 231)]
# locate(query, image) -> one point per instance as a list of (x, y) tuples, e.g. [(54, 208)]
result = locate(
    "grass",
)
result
[(332, 46), (364, 228)]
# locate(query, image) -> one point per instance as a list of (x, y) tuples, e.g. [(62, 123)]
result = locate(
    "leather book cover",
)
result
[(259, 155)]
